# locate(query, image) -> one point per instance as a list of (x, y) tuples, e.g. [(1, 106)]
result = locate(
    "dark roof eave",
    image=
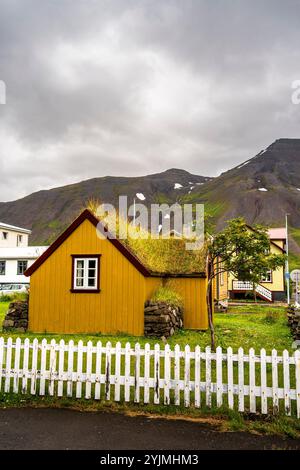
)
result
[(201, 274)]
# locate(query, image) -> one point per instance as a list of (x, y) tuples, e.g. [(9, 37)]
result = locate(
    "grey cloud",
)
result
[(132, 87)]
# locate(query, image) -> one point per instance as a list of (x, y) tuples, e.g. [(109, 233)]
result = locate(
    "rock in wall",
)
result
[(16, 317), (161, 319)]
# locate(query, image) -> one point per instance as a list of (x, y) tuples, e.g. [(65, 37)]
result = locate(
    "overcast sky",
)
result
[(132, 87)]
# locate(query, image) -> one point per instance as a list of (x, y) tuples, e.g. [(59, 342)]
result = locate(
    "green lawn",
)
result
[(265, 328)]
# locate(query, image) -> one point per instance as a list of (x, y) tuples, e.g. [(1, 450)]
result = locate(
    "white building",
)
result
[(15, 254), (11, 236)]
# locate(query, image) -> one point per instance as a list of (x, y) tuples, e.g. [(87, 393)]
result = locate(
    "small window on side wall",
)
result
[(2, 268), (22, 266), (85, 273)]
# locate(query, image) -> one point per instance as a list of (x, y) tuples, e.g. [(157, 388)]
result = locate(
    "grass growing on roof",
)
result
[(160, 255), (168, 295)]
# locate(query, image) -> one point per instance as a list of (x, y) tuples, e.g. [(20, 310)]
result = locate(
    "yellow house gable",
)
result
[(115, 300)]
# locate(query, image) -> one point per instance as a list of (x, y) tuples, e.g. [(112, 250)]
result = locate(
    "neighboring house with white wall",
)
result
[(15, 254), (11, 236)]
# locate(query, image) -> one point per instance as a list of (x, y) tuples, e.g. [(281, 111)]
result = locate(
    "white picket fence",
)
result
[(245, 382)]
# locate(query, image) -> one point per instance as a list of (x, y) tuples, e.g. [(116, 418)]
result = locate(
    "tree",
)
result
[(242, 251)]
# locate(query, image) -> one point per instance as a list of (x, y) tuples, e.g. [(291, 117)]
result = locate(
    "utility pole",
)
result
[(287, 272)]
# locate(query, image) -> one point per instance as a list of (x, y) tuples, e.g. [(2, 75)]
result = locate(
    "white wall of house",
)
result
[(11, 256), (11, 236)]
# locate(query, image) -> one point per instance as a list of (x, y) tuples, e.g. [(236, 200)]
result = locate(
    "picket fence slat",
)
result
[(286, 382), (177, 374), (241, 392), (98, 371), (117, 371), (263, 382), (8, 370), (197, 377), (147, 374), (219, 366), (26, 367), (17, 365), (70, 369), (297, 374), (275, 381), (208, 376)]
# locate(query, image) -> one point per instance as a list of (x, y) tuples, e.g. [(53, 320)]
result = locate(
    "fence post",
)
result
[(61, 357), (43, 366), (167, 375), (79, 369), (187, 374), (208, 375), (263, 382), (89, 365), (156, 373), (52, 367), (197, 376), (286, 382), (25, 366), (230, 378), (252, 380), (219, 376), (241, 398), (297, 373), (117, 371), (146, 373), (8, 365), (107, 370), (177, 374), (137, 373), (98, 370), (70, 368), (127, 372), (1, 360), (275, 382), (17, 365)]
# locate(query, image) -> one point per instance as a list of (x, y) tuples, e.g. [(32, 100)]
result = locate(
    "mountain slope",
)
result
[(48, 212), (262, 189)]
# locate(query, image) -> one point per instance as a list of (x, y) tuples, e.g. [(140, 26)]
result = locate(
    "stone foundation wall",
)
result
[(17, 317), (162, 320), (293, 315)]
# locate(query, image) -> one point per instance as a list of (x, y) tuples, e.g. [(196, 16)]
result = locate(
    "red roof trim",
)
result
[(86, 215)]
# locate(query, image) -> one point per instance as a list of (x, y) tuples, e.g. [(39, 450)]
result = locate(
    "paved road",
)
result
[(29, 428)]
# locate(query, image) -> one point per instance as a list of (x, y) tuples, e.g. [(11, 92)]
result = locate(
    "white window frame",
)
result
[(269, 274), (4, 262), (21, 261), (85, 277)]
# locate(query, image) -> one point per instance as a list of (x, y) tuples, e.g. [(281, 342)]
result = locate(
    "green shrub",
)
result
[(168, 295), (13, 297)]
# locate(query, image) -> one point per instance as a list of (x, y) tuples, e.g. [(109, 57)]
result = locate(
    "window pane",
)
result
[(22, 266), (79, 282), (92, 273), (80, 263), (2, 268), (79, 272), (91, 282), (92, 263)]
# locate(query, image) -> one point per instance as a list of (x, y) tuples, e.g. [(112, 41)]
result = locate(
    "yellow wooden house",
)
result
[(87, 284), (272, 285)]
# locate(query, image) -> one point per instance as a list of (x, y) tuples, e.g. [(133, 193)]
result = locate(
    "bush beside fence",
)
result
[(243, 382)]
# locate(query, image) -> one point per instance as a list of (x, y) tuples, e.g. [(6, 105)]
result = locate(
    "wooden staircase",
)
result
[(246, 286)]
